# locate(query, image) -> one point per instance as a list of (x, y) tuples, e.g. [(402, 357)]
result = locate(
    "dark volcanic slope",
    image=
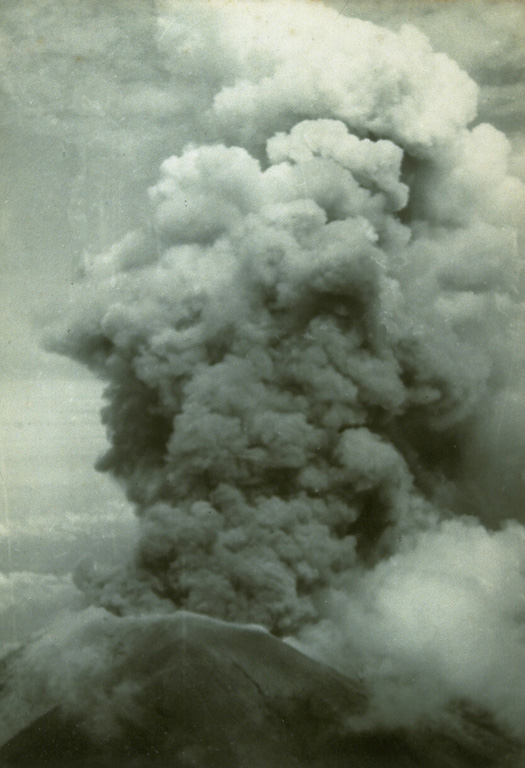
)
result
[(188, 691)]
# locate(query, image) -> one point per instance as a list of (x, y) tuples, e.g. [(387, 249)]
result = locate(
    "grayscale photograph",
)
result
[(262, 413)]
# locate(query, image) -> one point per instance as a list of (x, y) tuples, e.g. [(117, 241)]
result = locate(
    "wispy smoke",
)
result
[(307, 353)]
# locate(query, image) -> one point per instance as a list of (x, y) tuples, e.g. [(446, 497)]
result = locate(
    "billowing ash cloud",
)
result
[(308, 349)]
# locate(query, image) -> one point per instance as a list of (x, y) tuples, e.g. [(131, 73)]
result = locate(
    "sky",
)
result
[(95, 96)]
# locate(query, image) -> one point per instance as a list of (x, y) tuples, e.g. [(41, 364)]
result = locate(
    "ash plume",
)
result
[(307, 352)]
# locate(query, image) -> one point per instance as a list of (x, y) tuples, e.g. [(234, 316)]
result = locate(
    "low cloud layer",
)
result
[(30, 600)]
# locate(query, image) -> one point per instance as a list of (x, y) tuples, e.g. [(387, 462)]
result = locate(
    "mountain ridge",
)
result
[(185, 690)]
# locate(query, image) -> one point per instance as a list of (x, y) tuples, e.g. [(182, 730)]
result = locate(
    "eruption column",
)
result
[(303, 345)]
